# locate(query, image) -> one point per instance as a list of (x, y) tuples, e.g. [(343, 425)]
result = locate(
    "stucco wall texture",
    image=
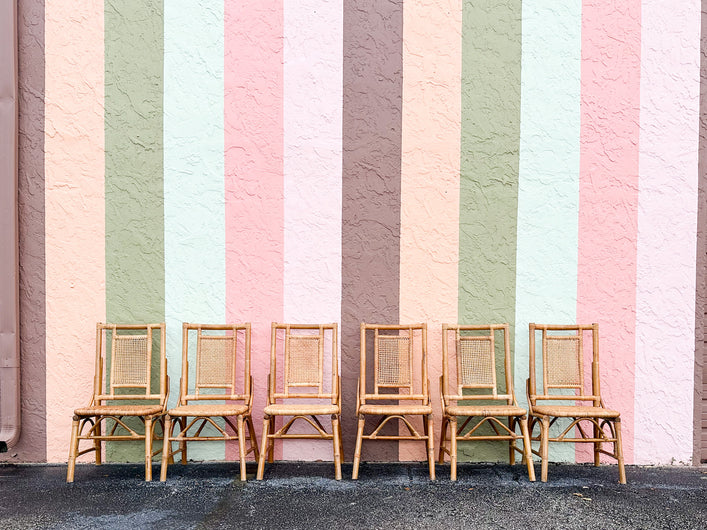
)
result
[(385, 161)]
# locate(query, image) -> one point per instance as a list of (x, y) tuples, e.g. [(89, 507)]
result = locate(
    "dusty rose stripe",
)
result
[(608, 195), (30, 28), (253, 135), (75, 209), (371, 189), (429, 217)]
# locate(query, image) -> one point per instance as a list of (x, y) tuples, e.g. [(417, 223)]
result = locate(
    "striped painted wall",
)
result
[(377, 160)]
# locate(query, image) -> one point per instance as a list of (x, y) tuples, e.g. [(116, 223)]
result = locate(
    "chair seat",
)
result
[(395, 409), (484, 410), (215, 409), (572, 411), (304, 409), (119, 410)]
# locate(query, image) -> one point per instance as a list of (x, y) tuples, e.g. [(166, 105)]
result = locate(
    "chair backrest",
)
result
[(124, 362), (394, 350), (304, 361), (218, 352), (473, 356), (563, 351)]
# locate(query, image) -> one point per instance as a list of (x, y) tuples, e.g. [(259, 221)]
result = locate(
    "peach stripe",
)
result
[(608, 196), (75, 211), (429, 218), (253, 135)]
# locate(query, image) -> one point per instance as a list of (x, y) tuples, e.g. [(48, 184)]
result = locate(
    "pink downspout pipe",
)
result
[(9, 233)]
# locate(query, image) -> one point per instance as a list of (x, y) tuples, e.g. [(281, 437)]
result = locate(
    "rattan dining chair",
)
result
[(303, 385), (395, 378), (217, 407), (123, 388), (476, 396), (563, 351)]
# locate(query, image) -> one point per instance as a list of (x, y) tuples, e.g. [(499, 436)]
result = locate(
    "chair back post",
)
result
[(445, 360), (335, 364), (98, 374), (273, 363), (531, 369), (246, 368), (425, 389), (184, 380), (507, 363), (163, 364), (596, 390), (362, 364)]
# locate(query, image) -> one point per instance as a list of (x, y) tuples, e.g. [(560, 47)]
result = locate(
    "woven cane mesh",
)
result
[(303, 366), (216, 361), (394, 361), (130, 360), (476, 362), (563, 359)]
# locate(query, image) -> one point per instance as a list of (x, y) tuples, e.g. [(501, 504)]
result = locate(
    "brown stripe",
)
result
[(700, 424), (32, 444), (372, 116)]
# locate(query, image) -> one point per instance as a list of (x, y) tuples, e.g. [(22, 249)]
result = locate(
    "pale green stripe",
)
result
[(548, 192), (491, 43), (133, 173), (195, 241)]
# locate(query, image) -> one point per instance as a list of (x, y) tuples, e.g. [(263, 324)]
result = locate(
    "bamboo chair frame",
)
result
[(475, 358), (563, 368), (303, 364), (216, 362), (393, 357), (131, 357)]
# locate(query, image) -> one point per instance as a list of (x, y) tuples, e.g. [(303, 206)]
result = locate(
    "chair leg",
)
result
[(73, 449), (241, 446), (512, 442), (453, 448), (431, 446), (148, 448), (253, 439), (442, 440), (597, 446), (527, 453), (183, 443), (271, 443), (97, 442), (264, 449), (544, 446), (357, 450), (337, 446), (618, 450), (166, 447)]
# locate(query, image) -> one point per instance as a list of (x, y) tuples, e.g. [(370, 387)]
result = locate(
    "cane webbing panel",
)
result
[(394, 361), (563, 361), (304, 361), (130, 361), (215, 361), (476, 362)]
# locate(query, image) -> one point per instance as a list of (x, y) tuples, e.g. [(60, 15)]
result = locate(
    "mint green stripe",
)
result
[(491, 41), (134, 195), (548, 194), (195, 244)]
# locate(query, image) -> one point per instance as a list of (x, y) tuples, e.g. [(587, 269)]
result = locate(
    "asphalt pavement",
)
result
[(305, 496)]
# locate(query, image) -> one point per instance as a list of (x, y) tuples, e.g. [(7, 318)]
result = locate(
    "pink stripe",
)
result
[(253, 136), (75, 210), (667, 222), (608, 196), (312, 182)]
